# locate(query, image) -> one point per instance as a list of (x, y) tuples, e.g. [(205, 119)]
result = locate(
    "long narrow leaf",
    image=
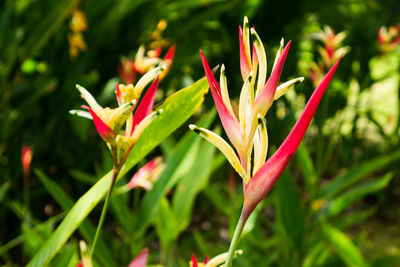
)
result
[(86, 228), (342, 202), (176, 110), (344, 246), (167, 178), (356, 174)]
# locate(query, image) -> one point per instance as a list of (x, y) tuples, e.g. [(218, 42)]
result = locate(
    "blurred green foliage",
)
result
[(336, 204)]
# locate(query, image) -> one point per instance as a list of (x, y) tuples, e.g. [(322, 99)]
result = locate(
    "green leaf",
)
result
[(353, 218), (289, 208), (175, 167), (166, 224), (352, 176), (313, 254), (306, 167), (176, 110), (49, 25), (384, 65), (3, 190), (191, 184), (342, 202), (343, 245), (85, 228), (69, 258)]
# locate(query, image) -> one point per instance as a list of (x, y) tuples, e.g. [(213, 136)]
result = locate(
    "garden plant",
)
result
[(123, 145)]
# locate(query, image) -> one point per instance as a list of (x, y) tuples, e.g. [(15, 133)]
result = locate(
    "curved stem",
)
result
[(116, 170), (235, 240)]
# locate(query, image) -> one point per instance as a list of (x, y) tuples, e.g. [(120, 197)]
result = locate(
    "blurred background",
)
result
[(337, 204)]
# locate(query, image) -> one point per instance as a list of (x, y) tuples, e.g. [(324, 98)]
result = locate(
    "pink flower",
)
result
[(141, 259), (147, 175)]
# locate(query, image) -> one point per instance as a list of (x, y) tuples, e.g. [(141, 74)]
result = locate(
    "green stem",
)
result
[(116, 170), (235, 240)]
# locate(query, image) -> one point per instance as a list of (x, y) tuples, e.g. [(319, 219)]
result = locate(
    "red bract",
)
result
[(262, 182), (141, 259), (145, 105), (27, 152), (102, 128), (248, 131)]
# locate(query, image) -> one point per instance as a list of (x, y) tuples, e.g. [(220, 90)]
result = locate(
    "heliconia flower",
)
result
[(141, 259), (147, 175), (109, 122), (168, 59), (214, 262), (27, 153), (388, 38), (333, 48), (145, 62), (247, 131), (263, 180)]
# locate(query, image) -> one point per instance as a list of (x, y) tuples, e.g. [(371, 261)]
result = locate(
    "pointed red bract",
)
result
[(245, 67), (266, 96), (27, 152), (118, 93), (268, 174), (170, 53), (145, 106), (194, 261), (102, 128), (229, 122), (141, 259), (157, 52)]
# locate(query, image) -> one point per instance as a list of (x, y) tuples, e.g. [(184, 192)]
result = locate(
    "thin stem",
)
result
[(235, 240), (116, 170)]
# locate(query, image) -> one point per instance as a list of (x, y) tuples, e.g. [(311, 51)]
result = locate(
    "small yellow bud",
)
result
[(162, 25)]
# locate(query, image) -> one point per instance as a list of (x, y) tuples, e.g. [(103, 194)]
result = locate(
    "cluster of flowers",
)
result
[(148, 58), (329, 53), (246, 131), (389, 38), (75, 39)]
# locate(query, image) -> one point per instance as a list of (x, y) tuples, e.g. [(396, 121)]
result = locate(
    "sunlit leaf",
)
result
[(179, 106), (343, 245)]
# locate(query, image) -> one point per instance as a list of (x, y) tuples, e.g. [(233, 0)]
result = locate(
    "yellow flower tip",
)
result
[(194, 128), (158, 112), (245, 23), (79, 87), (162, 25), (253, 34)]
